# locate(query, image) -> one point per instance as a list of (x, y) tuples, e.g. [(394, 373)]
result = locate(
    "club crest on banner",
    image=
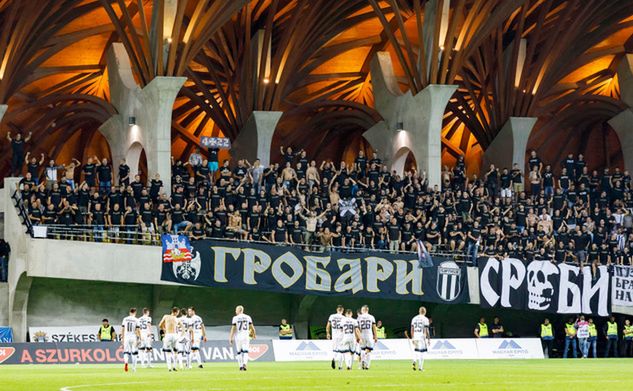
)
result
[(185, 260), (449, 276)]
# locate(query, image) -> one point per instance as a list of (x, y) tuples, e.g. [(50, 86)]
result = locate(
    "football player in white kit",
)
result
[(334, 331), (421, 338), (199, 336), (147, 337), (242, 329), (368, 335), (357, 345), (169, 324), (185, 335), (351, 336), (130, 335)]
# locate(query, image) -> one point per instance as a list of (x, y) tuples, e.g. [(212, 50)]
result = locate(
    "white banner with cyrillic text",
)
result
[(622, 286)]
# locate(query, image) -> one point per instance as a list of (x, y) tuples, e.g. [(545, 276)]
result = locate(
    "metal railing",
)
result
[(134, 234), (23, 214)]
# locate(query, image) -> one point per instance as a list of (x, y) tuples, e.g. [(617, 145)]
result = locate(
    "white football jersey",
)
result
[(419, 324), (184, 326), (349, 326), (196, 324), (129, 325), (242, 325), (336, 325), (365, 324), (145, 324)]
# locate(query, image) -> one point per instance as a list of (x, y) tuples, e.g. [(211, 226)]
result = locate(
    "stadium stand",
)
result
[(572, 216)]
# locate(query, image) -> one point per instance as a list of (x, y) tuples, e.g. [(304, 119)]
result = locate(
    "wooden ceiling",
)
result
[(54, 79)]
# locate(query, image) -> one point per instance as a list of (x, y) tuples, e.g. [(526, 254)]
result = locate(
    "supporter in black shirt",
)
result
[(197, 232), (548, 181), (124, 174), (155, 187), (535, 161), (33, 167), (218, 231), (296, 233), (17, 148), (50, 215), (137, 187), (517, 179), (361, 164), (279, 234), (104, 172), (561, 253), (115, 216)]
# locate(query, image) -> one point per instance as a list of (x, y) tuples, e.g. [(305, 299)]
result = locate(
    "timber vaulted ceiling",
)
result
[(552, 59)]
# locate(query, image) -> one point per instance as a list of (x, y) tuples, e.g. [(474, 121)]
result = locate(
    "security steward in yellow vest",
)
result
[(611, 332), (628, 339), (285, 330), (570, 338), (106, 332), (380, 330), (481, 329), (593, 338), (547, 337)]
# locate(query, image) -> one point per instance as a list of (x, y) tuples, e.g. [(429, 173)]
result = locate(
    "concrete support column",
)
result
[(412, 123), (509, 146), (623, 126), (19, 282), (151, 107), (3, 109), (623, 122), (255, 138), (18, 301)]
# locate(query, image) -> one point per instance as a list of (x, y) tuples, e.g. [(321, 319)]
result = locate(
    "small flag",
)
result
[(424, 258), (176, 248)]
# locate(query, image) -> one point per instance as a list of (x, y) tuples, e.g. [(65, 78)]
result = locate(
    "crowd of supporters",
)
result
[(566, 213)]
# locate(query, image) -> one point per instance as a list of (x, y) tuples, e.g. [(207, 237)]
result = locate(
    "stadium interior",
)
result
[(435, 90)]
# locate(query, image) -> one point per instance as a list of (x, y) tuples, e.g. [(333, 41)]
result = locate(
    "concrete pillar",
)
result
[(412, 123), (623, 126), (623, 122), (151, 107), (18, 302), (19, 283), (509, 146), (625, 78), (3, 109), (255, 138)]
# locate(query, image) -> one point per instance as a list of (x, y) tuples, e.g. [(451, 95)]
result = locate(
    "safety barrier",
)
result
[(274, 350)]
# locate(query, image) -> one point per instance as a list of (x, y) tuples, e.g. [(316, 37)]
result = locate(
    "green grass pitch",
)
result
[(490, 375)]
